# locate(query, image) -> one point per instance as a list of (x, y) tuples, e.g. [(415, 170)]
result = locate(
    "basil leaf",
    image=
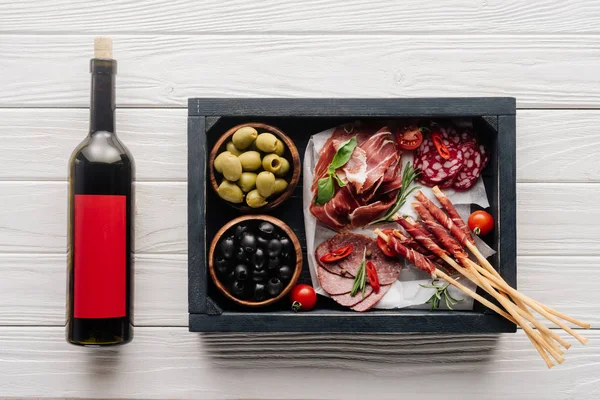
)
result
[(339, 181), (343, 154), (325, 191)]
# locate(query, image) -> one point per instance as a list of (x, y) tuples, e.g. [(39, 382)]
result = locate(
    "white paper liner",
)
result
[(406, 291)]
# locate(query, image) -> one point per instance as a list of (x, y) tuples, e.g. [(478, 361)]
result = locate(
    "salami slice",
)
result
[(350, 301), (434, 168), (472, 166), (373, 299), (334, 284)]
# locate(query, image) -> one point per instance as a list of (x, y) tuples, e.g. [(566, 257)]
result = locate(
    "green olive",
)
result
[(232, 149), (279, 186), (255, 200), (247, 181), (244, 137), (266, 142), (231, 192), (232, 168), (218, 163), (250, 160), (279, 148), (271, 163), (283, 168), (265, 181)]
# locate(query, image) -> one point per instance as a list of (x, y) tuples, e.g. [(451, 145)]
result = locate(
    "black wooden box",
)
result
[(493, 118)]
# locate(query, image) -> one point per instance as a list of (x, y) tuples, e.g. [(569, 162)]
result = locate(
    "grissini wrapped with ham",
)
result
[(454, 215), (443, 219), (442, 235), (420, 261)]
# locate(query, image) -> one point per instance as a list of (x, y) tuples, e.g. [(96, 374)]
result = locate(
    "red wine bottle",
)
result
[(101, 171)]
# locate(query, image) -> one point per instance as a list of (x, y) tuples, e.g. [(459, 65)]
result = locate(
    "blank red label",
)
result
[(100, 256)]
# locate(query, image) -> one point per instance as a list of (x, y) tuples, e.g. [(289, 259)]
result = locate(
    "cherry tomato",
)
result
[(303, 297), (383, 246), (481, 223), (409, 137)]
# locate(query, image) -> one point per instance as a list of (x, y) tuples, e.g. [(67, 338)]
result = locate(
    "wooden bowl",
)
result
[(289, 233), (291, 153)]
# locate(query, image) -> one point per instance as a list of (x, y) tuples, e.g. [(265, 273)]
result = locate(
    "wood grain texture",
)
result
[(272, 16), (559, 219), (558, 145), (552, 145), (173, 363), (540, 71), (33, 217), (33, 287), (38, 148)]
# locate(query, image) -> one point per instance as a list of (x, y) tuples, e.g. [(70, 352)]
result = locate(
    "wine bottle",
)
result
[(101, 171)]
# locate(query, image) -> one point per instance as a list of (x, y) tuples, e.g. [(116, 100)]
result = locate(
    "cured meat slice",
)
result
[(335, 213), (434, 168), (472, 166), (387, 268), (355, 170), (332, 283), (364, 214), (382, 154), (373, 299), (349, 301)]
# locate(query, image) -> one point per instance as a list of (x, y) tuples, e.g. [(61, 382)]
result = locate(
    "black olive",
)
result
[(228, 247), (241, 272), (238, 289), (265, 230), (274, 287), (248, 242), (286, 244), (258, 258), (274, 247), (241, 254), (262, 242), (259, 275), (260, 292), (221, 266), (273, 262), (240, 230), (285, 273)]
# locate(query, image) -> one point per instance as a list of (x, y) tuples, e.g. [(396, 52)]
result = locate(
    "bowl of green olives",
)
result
[(255, 260), (254, 167)]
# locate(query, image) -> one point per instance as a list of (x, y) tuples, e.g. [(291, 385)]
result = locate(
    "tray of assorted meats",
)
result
[(373, 197)]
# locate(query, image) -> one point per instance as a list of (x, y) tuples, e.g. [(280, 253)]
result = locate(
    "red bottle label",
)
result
[(100, 256)]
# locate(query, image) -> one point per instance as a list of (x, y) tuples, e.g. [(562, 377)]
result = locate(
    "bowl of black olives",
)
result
[(255, 260)]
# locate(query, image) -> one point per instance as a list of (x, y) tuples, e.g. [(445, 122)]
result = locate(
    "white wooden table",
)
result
[(545, 54)]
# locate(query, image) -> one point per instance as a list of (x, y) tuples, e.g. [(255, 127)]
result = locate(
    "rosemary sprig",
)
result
[(360, 280), (441, 293), (409, 175)]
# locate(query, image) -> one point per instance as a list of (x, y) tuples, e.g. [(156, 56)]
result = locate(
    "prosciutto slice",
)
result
[(372, 177)]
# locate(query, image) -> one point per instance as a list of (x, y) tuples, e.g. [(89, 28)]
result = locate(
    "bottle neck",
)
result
[(102, 104)]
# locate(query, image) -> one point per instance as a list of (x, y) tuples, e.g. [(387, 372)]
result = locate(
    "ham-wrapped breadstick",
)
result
[(420, 261), (421, 236), (443, 219), (442, 235), (454, 215)]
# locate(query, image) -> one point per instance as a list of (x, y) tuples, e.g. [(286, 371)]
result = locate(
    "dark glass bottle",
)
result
[(100, 261)]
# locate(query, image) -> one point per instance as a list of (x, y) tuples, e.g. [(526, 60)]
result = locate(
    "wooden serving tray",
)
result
[(210, 311)]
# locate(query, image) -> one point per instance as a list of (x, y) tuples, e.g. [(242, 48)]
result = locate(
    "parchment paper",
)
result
[(405, 292)]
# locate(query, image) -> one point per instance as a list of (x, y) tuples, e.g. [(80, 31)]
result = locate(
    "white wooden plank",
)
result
[(33, 217), (457, 16), (173, 363), (552, 145), (37, 143), (558, 145), (539, 70), (553, 219), (32, 288)]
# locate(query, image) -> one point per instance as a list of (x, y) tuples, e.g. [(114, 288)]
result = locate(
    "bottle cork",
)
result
[(103, 47)]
